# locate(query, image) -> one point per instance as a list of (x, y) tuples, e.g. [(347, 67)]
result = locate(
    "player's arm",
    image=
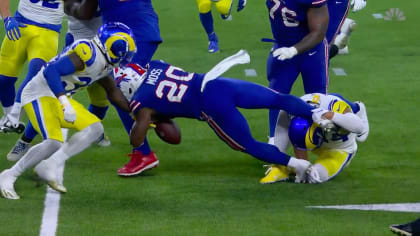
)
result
[(81, 9), (4, 8), (143, 119), (318, 24), (114, 94), (348, 120)]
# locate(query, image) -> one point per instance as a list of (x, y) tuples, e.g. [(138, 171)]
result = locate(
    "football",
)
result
[(168, 131)]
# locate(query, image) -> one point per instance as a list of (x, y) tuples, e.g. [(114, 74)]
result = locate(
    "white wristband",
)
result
[(64, 100)]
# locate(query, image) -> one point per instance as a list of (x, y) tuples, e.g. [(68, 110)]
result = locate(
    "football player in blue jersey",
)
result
[(140, 16), (206, 18), (298, 28), (168, 91), (47, 102)]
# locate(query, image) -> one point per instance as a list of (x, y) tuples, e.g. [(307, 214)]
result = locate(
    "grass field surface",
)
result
[(202, 187)]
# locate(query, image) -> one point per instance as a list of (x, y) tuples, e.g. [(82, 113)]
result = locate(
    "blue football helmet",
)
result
[(117, 42), (304, 134)]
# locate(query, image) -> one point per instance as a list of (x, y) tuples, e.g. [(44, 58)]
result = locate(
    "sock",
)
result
[(147, 50), (34, 67), (207, 22), (144, 148), (30, 133), (35, 155), (333, 51), (7, 90), (272, 119), (99, 112)]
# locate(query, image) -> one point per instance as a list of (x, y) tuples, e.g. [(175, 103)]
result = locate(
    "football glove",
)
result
[(12, 28), (241, 5), (317, 116), (358, 4), (285, 53), (68, 110)]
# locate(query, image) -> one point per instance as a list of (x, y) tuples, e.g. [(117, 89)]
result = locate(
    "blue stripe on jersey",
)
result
[(20, 18), (35, 105)]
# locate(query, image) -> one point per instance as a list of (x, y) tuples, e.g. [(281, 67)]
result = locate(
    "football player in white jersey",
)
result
[(31, 35), (49, 108), (334, 145)]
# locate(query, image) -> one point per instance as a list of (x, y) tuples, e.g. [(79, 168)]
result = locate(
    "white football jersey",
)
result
[(96, 67), (334, 141), (84, 29), (42, 11)]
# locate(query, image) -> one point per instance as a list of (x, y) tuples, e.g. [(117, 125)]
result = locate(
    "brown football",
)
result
[(168, 131)]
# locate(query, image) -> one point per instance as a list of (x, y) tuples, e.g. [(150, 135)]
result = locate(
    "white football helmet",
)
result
[(129, 79)]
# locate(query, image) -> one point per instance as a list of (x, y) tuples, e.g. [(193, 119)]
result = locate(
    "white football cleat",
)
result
[(7, 189), (312, 176), (17, 152), (103, 141), (47, 170), (362, 114), (342, 38)]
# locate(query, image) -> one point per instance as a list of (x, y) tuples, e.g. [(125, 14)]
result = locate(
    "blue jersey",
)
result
[(338, 12), (288, 19), (139, 15), (170, 91)]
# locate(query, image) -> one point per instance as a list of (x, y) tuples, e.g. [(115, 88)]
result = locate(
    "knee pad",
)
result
[(204, 6)]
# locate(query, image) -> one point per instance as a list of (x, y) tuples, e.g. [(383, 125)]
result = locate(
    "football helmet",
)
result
[(304, 134), (117, 42), (129, 79)]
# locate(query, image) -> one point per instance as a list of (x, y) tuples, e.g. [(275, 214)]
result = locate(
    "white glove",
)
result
[(358, 5), (317, 115), (313, 176), (285, 53), (68, 110), (300, 167)]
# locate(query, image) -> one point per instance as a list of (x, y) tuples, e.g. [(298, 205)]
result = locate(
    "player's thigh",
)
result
[(13, 54), (204, 6), (83, 120), (45, 114), (333, 160), (224, 6), (313, 65), (97, 95), (281, 75), (44, 45)]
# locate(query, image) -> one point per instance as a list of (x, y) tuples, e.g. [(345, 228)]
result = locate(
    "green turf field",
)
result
[(204, 188)]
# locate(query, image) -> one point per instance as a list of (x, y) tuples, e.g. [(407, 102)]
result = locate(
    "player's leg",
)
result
[(147, 50), (342, 38), (206, 19), (281, 76), (99, 105), (43, 115), (338, 12), (224, 7), (330, 163), (89, 130), (141, 158), (314, 69)]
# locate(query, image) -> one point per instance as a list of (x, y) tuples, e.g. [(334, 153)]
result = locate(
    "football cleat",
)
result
[(213, 43), (344, 51), (362, 114), (7, 189), (138, 163), (8, 128), (103, 141), (17, 152), (403, 229), (275, 173), (47, 170), (342, 38)]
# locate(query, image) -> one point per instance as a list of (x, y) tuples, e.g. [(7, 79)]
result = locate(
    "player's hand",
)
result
[(285, 53), (241, 5), (68, 110), (358, 4), (317, 116), (12, 28)]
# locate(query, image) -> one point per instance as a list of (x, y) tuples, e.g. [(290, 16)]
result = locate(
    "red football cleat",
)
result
[(138, 163)]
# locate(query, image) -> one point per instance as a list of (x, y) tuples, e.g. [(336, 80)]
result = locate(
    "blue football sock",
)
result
[(354, 107), (272, 120), (34, 67), (7, 90), (30, 133), (207, 22), (146, 49), (99, 112)]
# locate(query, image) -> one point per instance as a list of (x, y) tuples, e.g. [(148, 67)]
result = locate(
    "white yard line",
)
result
[(396, 207)]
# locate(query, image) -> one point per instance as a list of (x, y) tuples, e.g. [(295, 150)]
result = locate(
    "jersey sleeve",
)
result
[(313, 3), (85, 51)]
